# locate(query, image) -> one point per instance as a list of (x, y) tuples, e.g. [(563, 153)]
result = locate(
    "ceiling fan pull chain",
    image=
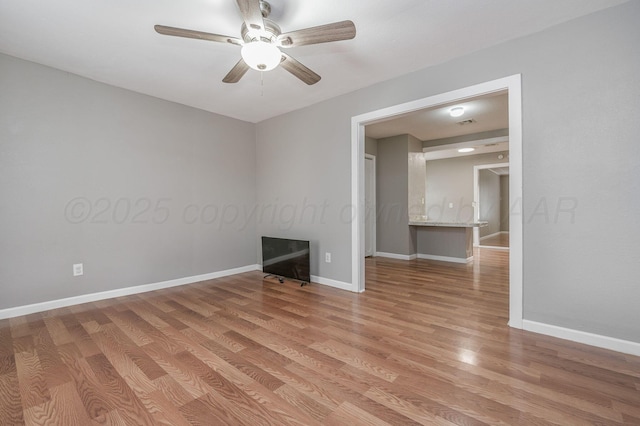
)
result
[(261, 83)]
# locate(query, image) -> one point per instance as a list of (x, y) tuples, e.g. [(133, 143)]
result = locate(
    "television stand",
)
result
[(281, 279)]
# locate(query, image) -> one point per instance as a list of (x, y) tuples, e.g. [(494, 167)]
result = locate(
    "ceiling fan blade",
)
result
[(343, 30), (236, 72), (251, 14), (299, 70), (181, 32)]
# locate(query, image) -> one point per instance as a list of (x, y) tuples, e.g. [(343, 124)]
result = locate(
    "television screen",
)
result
[(286, 258)]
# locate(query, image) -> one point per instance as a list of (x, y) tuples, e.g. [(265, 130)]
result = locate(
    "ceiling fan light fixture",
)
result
[(456, 111), (261, 56)]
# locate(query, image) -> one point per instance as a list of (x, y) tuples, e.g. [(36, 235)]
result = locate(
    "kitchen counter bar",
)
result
[(445, 241)]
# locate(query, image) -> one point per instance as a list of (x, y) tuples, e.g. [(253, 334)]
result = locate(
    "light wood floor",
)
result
[(427, 343), (500, 240)]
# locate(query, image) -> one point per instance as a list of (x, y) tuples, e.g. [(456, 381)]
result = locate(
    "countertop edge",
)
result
[(451, 224)]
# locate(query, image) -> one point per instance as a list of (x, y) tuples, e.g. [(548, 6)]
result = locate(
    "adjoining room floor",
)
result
[(500, 240), (426, 343)]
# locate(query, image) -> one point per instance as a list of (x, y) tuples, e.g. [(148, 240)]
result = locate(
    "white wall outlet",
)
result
[(78, 269), (327, 257), (450, 205)]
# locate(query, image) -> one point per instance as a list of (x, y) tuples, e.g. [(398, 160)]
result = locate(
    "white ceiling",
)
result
[(114, 42), (487, 112)]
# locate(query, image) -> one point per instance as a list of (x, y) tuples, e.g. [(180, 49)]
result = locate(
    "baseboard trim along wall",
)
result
[(495, 234), (396, 256), (445, 258), (93, 297), (332, 283), (424, 256), (605, 342)]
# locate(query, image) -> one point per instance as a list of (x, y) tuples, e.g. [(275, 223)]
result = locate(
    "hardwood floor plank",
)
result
[(187, 378), (173, 391), (243, 364), (348, 413), (163, 410), (204, 412), (118, 392), (7, 364), (87, 385), (305, 403), (64, 408), (11, 407), (58, 332), (427, 343), (112, 418), (34, 389), (356, 358), (421, 411)]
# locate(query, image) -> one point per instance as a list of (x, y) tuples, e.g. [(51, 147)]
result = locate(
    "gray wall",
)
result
[(393, 234), (450, 180), (416, 171), (489, 201), (504, 203), (370, 146), (455, 243), (581, 86), (86, 171)]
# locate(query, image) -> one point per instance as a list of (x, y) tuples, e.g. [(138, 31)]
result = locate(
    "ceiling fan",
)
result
[(262, 39)]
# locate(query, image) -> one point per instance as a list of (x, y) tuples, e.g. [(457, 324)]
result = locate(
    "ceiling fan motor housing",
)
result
[(269, 35)]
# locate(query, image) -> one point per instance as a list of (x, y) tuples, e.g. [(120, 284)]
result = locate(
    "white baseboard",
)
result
[(396, 256), (445, 258), (605, 342), (495, 234), (109, 294), (493, 247), (332, 283)]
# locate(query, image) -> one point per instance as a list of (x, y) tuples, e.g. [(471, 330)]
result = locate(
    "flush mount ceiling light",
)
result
[(260, 55), (456, 111), (466, 149)]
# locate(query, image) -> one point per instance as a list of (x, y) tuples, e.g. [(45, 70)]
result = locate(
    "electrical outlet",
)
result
[(450, 205), (77, 269), (327, 257)]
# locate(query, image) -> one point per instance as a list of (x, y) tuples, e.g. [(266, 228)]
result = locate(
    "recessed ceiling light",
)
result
[(456, 111), (466, 149)]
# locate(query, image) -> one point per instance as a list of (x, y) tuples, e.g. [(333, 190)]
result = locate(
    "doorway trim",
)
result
[(374, 218), (513, 84), (476, 195)]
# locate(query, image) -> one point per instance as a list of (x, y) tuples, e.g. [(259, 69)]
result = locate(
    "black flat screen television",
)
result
[(286, 258)]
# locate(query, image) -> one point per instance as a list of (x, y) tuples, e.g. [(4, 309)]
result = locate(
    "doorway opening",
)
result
[(512, 85), (491, 203)]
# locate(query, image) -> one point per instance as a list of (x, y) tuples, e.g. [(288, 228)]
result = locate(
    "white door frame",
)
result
[(476, 196), (375, 205), (514, 86)]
